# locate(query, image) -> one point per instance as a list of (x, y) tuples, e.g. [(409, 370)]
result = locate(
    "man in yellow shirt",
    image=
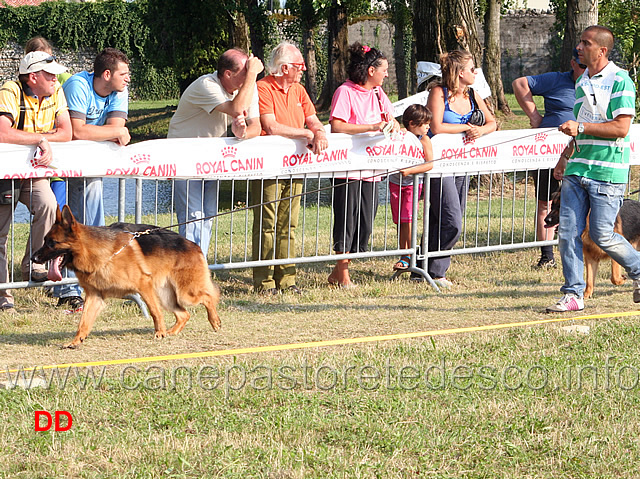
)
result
[(33, 111)]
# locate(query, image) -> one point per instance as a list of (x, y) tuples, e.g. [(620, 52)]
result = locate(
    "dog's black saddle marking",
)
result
[(156, 239)]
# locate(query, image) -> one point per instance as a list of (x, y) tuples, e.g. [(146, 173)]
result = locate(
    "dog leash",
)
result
[(134, 235)]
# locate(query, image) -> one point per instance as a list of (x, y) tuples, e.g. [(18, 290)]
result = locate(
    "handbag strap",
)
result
[(472, 96), (23, 109)]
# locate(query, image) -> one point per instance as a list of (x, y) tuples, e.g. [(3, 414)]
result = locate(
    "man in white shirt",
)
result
[(207, 108)]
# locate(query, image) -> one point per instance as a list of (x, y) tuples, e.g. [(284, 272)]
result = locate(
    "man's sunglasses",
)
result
[(299, 65), (49, 59)]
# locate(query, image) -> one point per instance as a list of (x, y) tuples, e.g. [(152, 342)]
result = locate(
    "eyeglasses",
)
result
[(49, 59), (299, 65)]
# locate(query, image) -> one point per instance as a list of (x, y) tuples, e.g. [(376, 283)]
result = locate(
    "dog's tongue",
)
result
[(54, 269)]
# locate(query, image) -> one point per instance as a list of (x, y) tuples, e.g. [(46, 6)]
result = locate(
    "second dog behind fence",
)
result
[(627, 224)]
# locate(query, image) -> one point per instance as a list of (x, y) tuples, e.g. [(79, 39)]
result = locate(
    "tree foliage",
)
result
[(623, 18), (187, 36), (79, 26), (72, 26)]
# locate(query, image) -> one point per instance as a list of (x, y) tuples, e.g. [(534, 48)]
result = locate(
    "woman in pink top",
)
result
[(359, 106)]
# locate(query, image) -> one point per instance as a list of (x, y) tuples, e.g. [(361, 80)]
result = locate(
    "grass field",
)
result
[(519, 402), (523, 402)]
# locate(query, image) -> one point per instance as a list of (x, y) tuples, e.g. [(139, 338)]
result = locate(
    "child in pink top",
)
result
[(416, 119)]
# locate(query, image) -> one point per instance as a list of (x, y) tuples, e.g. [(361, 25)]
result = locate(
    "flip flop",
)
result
[(402, 264)]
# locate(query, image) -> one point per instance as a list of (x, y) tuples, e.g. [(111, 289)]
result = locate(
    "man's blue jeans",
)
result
[(87, 205), (196, 199), (603, 200)]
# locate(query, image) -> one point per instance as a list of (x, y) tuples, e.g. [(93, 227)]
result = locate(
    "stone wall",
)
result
[(526, 45), (11, 55), (525, 39)]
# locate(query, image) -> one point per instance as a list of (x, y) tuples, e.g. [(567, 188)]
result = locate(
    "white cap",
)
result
[(37, 61)]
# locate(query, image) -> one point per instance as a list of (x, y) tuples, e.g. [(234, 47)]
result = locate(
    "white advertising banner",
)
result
[(220, 158), (531, 149), (271, 156)]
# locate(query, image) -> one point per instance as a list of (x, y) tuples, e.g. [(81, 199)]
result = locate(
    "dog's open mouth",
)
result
[(55, 267)]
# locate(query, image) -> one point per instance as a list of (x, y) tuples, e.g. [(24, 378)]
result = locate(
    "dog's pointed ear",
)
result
[(58, 215), (67, 217)]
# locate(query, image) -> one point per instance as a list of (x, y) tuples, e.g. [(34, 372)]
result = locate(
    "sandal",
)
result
[(402, 264), (72, 304)]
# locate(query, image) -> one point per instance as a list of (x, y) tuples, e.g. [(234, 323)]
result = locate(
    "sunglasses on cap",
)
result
[(49, 59)]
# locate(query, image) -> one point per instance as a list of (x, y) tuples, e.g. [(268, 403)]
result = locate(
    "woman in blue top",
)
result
[(452, 105)]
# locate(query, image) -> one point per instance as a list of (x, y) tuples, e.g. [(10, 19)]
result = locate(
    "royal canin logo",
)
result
[(229, 152), (467, 141), (399, 136), (34, 164), (540, 136), (141, 159)]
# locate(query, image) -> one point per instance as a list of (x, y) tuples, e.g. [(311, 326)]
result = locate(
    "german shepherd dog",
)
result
[(627, 224), (110, 261)]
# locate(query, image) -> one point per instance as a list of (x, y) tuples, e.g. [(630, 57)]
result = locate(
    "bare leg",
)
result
[(340, 273)]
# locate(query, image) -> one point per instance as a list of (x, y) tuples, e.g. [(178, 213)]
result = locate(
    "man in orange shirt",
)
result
[(285, 109)]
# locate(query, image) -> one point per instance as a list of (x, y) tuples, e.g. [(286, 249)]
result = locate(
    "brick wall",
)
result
[(526, 45)]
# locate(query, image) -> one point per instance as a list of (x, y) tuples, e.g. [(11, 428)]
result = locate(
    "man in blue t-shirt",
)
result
[(98, 107), (558, 91)]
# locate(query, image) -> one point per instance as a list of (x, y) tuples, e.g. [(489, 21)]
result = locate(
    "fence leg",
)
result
[(141, 304), (413, 268), (122, 182), (425, 231)]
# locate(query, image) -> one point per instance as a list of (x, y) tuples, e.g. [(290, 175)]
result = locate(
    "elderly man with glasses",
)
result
[(33, 112), (285, 109)]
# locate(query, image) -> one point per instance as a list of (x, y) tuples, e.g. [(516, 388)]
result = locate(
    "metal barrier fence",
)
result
[(500, 215)]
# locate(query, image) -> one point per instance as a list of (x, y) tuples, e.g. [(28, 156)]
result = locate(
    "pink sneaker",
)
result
[(569, 302)]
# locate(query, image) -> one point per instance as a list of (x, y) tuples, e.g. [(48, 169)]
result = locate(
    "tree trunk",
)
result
[(309, 19), (443, 25), (413, 64), (239, 31), (338, 44), (256, 28), (400, 17), (580, 15), (493, 55), (309, 52)]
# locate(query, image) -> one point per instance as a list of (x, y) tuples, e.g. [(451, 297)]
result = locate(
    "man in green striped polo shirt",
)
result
[(595, 167)]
